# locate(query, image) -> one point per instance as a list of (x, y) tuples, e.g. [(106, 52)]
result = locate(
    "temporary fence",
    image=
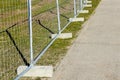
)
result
[(28, 28)]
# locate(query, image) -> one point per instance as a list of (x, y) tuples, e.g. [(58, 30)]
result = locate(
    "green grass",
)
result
[(19, 10)]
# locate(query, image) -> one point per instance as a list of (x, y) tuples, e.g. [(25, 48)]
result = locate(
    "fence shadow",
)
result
[(39, 22), (60, 15), (20, 53)]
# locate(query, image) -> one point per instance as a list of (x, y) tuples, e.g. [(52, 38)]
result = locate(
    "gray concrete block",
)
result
[(63, 35), (88, 5), (88, 2), (76, 19), (83, 11), (36, 71)]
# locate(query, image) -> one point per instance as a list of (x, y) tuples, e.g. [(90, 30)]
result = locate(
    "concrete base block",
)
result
[(83, 11), (76, 19), (37, 71), (88, 5), (88, 2), (63, 35)]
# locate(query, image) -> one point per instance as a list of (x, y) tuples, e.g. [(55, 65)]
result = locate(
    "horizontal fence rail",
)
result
[(26, 27)]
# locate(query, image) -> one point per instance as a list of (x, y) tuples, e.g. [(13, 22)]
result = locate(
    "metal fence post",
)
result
[(30, 29), (85, 2), (75, 13), (81, 5), (29, 3), (58, 15)]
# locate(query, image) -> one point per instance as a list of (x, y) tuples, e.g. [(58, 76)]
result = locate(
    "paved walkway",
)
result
[(95, 55)]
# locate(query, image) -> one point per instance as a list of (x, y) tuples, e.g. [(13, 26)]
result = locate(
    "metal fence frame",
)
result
[(32, 60)]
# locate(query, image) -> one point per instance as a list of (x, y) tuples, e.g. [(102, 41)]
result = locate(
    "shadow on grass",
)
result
[(39, 22), (60, 15), (15, 45)]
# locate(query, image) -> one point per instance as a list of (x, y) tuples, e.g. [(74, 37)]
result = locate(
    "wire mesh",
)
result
[(14, 30), (14, 37), (66, 12), (45, 21), (44, 24)]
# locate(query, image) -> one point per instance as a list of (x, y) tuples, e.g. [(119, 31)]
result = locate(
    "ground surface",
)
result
[(95, 55)]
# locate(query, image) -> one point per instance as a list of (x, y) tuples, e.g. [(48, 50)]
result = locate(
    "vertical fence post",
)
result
[(85, 2), (75, 13), (30, 29), (81, 5), (75, 19), (58, 15)]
